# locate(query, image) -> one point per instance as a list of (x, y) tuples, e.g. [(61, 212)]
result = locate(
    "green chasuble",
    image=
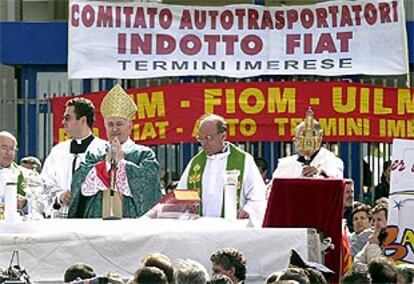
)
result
[(20, 178), (235, 161), (142, 171)]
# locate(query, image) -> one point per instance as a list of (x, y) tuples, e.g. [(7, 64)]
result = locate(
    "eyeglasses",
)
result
[(207, 138), (6, 149)]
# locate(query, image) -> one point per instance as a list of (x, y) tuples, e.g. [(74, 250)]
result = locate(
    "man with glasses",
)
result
[(66, 157), (205, 172), (129, 169), (8, 168)]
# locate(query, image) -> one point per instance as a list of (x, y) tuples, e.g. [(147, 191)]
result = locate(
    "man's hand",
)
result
[(241, 214), (116, 148), (21, 201), (309, 171), (65, 198), (373, 239)]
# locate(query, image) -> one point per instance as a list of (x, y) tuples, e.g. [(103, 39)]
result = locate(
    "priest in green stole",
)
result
[(205, 172), (137, 169)]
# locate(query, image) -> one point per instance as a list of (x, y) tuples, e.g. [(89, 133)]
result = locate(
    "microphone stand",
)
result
[(112, 183), (112, 201)]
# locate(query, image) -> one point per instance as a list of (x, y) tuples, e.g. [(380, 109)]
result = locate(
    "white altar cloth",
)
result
[(47, 247)]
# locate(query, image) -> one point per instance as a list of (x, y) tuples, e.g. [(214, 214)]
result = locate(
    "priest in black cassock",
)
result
[(65, 158)]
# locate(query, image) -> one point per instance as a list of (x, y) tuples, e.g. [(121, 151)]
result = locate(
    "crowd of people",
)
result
[(229, 266), (79, 175)]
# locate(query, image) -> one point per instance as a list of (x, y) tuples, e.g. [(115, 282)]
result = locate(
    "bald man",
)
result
[(8, 168)]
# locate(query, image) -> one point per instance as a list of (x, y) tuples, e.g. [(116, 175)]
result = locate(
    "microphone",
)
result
[(113, 154)]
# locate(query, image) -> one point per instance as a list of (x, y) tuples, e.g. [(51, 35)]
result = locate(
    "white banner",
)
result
[(400, 228), (138, 40), (402, 167)]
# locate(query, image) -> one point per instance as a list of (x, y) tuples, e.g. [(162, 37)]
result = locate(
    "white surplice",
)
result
[(57, 169), (325, 160), (252, 194)]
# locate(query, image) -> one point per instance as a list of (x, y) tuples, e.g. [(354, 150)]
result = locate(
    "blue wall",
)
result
[(24, 43)]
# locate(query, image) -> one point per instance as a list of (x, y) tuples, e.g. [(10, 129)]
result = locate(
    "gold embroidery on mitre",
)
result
[(117, 103)]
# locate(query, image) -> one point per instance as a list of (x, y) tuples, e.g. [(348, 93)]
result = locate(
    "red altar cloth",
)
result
[(309, 203)]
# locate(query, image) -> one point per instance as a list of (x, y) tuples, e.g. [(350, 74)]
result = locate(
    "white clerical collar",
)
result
[(1, 167), (79, 141), (221, 155)]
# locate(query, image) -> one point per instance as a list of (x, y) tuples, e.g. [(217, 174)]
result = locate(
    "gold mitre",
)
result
[(309, 135), (117, 103)]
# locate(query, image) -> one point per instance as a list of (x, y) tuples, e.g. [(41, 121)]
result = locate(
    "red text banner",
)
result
[(263, 111), (142, 40)]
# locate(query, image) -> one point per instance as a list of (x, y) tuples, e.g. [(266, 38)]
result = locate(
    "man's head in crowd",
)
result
[(262, 165), (360, 218), (149, 275), (405, 273), (356, 277), (212, 133), (79, 117), (230, 262), (78, 271), (386, 171), (379, 217), (8, 148), (295, 273), (384, 201), (190, 272), (162, 262), (31, 163), (382, 270), (349, 193)]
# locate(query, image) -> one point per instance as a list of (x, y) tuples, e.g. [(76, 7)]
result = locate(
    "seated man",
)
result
[(312, 160), (128, 168), (205, 172)]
